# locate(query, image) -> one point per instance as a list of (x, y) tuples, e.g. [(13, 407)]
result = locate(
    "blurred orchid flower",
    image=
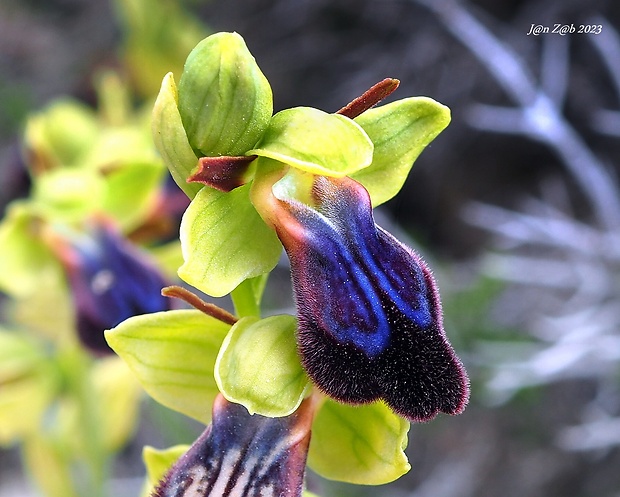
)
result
[(370, 321), (110, 280), (243, 455)]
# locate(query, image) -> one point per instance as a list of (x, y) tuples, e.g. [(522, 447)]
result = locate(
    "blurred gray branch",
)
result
[(538, 114), (608, 46), (563, 274)]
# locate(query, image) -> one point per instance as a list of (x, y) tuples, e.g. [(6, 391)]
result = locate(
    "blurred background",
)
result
[(516, 205)]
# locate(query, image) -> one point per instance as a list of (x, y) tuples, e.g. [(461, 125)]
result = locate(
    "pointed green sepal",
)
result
[(358, 444), (170, 137), (225, 101), (400, 131), (172, 354), (316, 142), (225, 241)]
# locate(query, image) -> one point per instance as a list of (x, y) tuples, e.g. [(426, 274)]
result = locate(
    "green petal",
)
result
[(170, 137), (172, 355), (358, 444), (400, 131), (225, 241), (314, 141), (25, 260), (225, 101), (130, 192), (258, 366)]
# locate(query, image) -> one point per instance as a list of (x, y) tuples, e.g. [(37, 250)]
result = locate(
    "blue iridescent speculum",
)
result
[(370, 322), (110, 280)]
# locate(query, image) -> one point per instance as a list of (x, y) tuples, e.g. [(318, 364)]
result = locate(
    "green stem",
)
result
[(247, 296), (88, 427)]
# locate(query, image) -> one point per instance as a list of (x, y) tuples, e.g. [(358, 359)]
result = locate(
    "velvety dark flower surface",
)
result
[(370, 322), (240, 455), (110, 281)]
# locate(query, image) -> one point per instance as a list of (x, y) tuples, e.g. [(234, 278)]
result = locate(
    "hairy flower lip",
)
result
[(370, 322), (243, 454)]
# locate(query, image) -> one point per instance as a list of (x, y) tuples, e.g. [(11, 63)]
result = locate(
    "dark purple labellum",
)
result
[(370, 322), (240, 455), (110, 280)]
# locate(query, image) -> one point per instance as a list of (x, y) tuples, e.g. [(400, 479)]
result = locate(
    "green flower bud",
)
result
[(61, 135)]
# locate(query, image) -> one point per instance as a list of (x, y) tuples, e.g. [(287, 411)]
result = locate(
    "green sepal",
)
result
[(316, 142), (225, 241), (170, 138), (130, 193), (400, 131), (358, 444), (258, 366), (225, 101), (28, 384), (172, 354), (25, 260)]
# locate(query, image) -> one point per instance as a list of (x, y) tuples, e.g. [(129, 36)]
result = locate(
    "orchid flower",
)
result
[(243, 455), (110, 280), (370, 323), (366, 351)]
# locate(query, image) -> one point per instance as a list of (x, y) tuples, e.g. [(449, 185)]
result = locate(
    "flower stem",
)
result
[(247, 296)]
